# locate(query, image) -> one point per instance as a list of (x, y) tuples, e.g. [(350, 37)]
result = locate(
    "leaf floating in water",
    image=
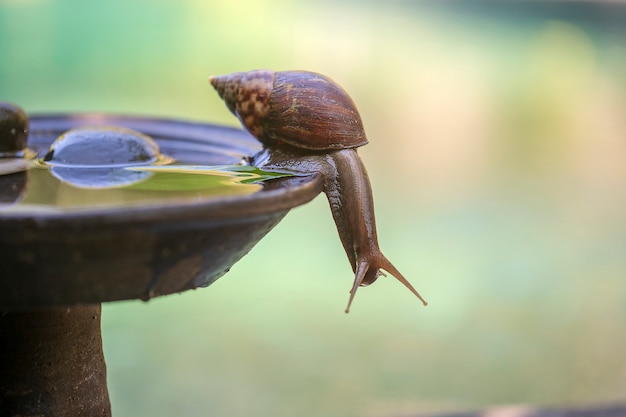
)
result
[(197, 177), (255, 174)]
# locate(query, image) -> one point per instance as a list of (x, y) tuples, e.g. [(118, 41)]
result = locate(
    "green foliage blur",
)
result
[(498, 159)]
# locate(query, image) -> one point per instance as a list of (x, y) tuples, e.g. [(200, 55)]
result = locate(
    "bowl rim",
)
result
[(277, 195)]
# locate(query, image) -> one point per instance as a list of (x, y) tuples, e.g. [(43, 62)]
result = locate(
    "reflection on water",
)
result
[(173, 184), (107, 166)]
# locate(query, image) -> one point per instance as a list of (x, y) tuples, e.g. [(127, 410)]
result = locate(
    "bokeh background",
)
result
[(498, 160)]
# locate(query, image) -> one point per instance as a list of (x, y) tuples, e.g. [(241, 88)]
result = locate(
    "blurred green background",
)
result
[(498, 160)]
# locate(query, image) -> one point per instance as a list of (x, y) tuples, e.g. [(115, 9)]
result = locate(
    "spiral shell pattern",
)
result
[(299, 108)]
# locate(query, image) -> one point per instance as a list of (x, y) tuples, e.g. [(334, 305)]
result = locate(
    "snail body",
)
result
[(309, 124)]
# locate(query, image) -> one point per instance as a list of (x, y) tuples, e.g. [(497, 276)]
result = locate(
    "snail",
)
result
[(309, 124)]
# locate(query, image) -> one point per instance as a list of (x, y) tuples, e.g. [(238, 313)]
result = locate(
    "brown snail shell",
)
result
[(287, 106)]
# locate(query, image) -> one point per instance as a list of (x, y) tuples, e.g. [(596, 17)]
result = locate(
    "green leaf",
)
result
[(199, 177)]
